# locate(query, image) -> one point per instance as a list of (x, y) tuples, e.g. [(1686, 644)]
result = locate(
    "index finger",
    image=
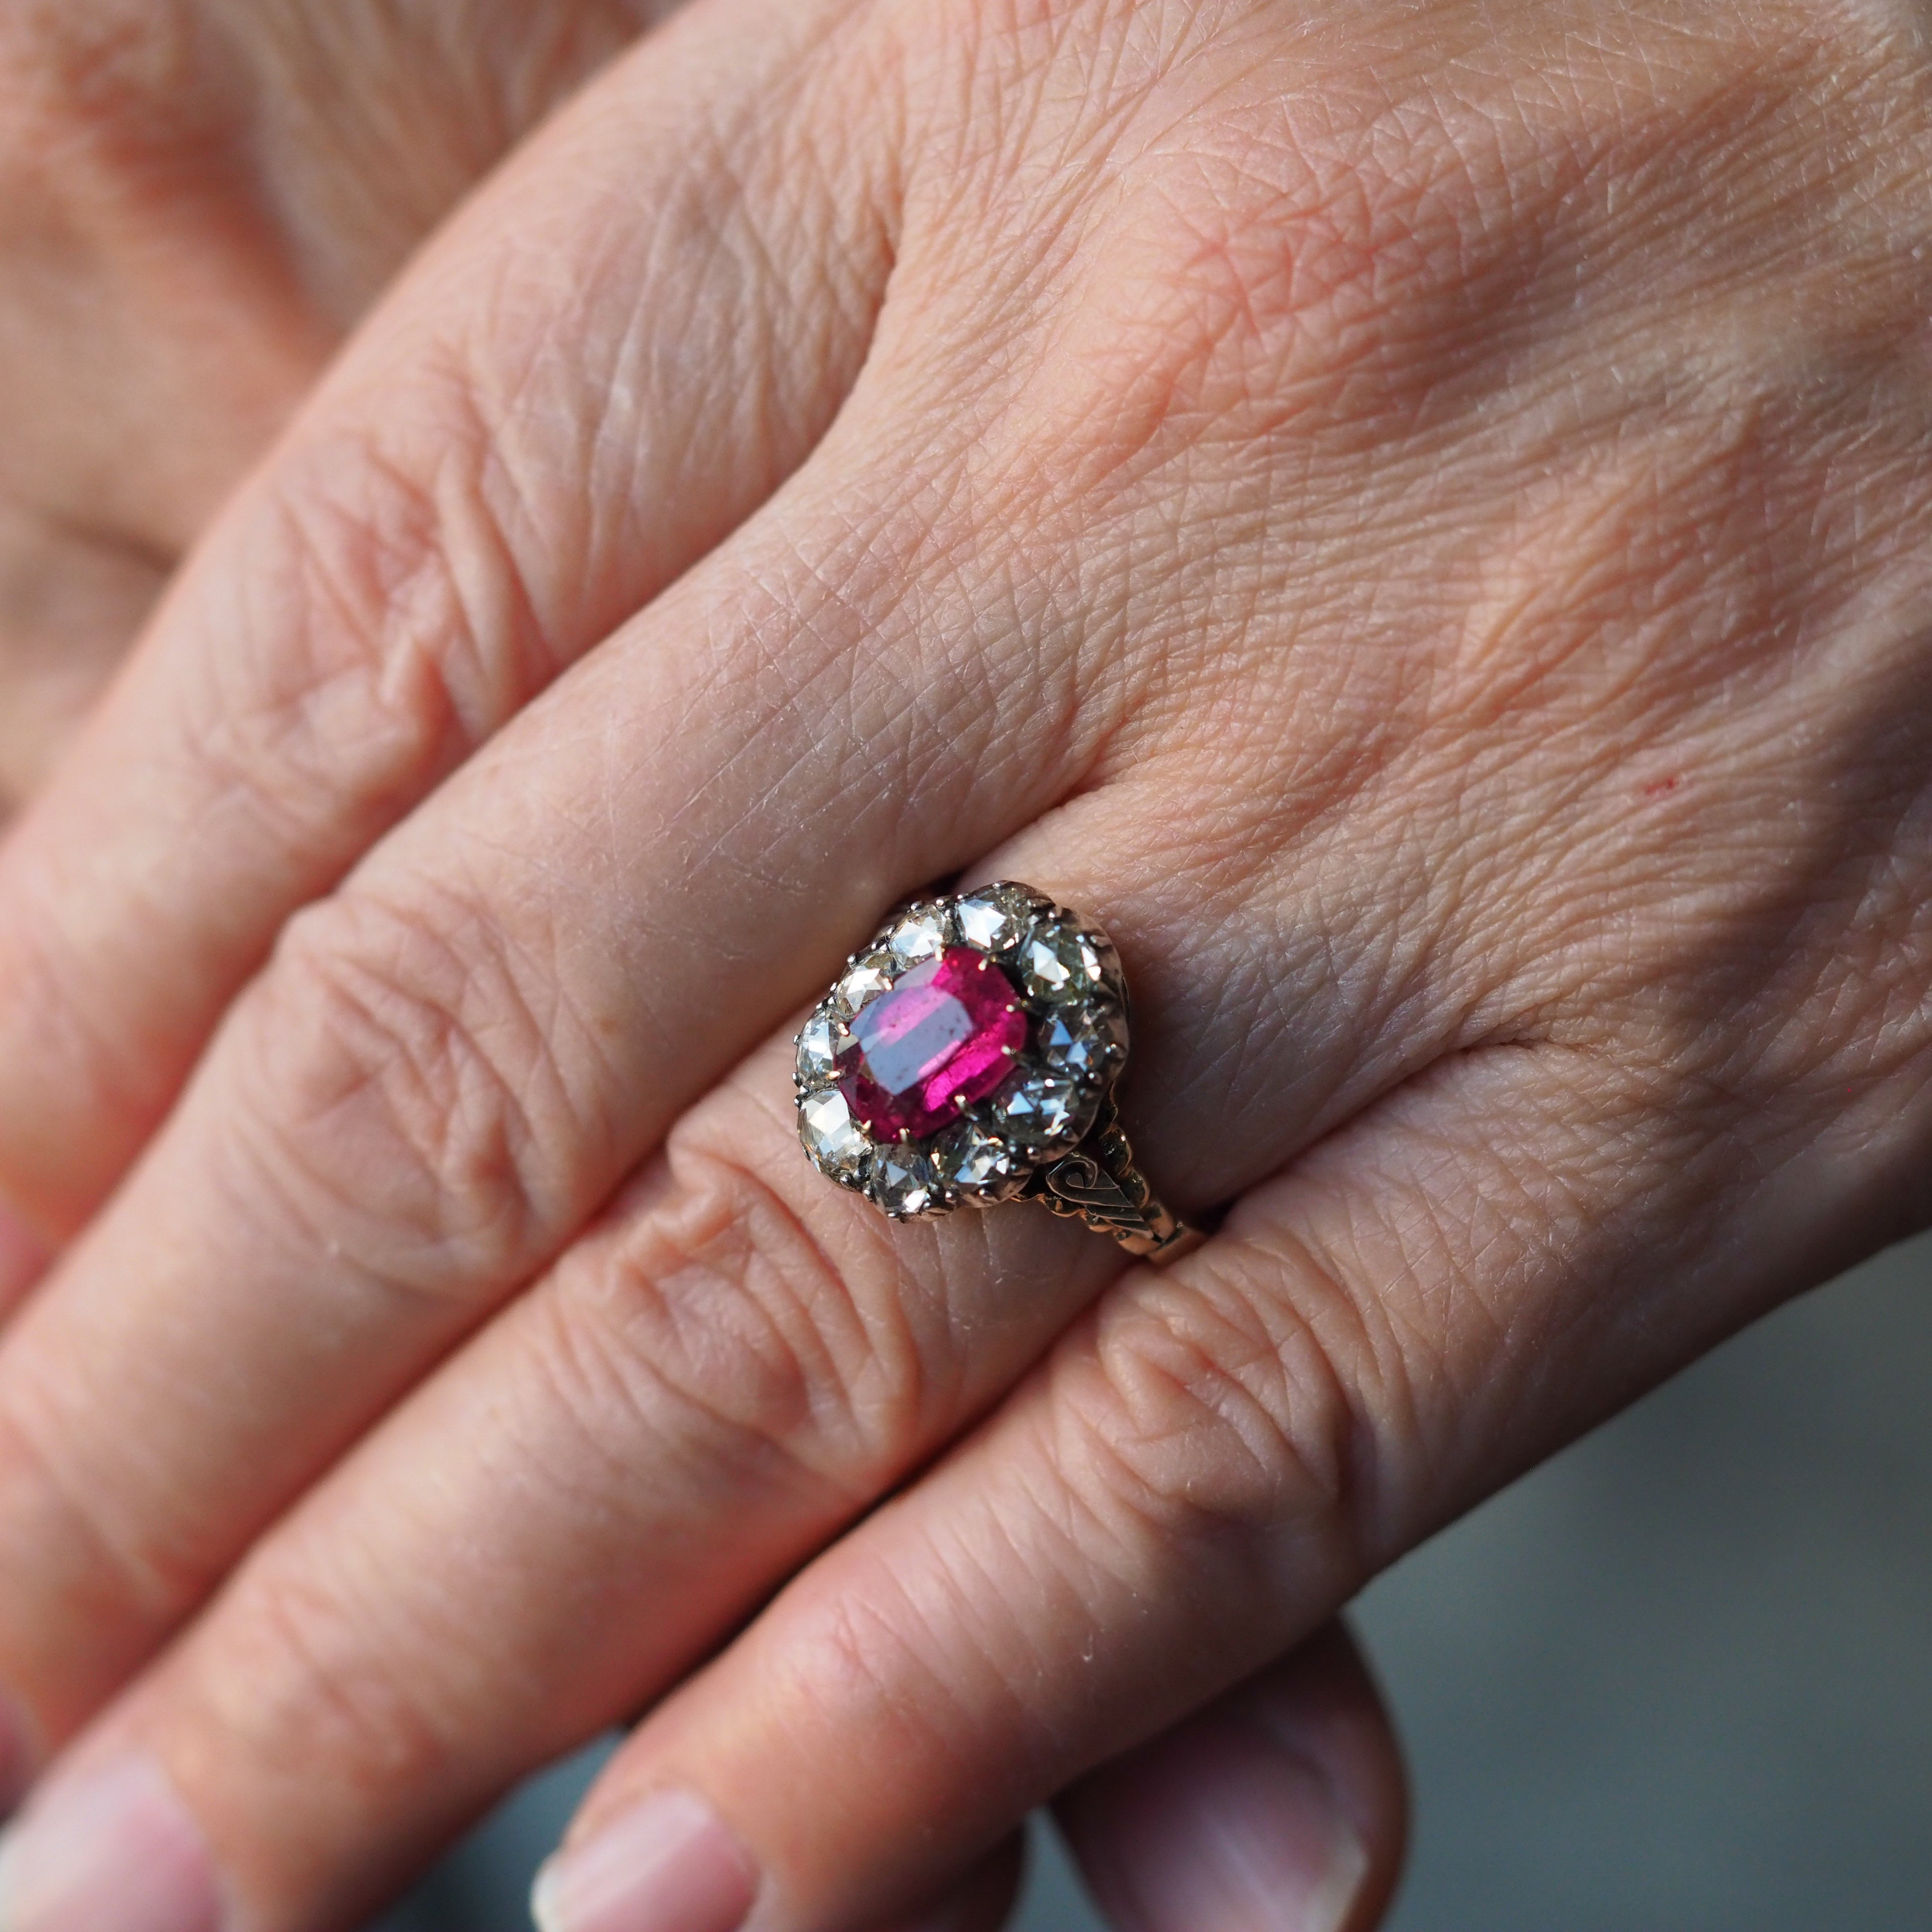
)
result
[(603, 367)]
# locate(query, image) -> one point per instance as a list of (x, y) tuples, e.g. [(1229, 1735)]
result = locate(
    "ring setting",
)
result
[(968, 1055)]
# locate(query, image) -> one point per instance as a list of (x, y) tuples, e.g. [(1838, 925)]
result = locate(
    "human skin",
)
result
[(196, 202), (1414, 518), (197, 198)]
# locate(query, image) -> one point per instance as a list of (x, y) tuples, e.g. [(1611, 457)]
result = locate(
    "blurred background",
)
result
[(1680, 1678)]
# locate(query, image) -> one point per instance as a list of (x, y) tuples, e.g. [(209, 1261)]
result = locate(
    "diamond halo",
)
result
[(915, 1031)]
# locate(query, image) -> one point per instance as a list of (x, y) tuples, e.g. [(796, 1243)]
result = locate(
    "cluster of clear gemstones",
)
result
[(1066, 979)]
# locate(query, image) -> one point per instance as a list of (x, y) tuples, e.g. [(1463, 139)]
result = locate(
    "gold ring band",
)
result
[(1098, 1184)]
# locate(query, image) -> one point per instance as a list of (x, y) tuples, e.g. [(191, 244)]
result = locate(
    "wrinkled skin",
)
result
[(197, 198), (1416, 518)]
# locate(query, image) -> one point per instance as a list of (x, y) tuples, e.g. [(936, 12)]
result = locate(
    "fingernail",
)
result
[(667, 1865), (1239, 1833), (112, 1849)]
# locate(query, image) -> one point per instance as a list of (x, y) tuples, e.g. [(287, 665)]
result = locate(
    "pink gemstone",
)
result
[(944, 1037)]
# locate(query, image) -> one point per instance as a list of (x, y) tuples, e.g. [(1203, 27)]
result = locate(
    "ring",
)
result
[(969, 1054)]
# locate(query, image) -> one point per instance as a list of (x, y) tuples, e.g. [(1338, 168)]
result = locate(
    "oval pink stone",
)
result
[(944, 1037)]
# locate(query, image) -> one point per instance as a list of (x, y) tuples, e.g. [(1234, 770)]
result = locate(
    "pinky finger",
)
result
[(1280, 1808)]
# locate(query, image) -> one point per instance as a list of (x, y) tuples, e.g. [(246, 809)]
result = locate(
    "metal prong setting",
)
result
[(1048, 1130)]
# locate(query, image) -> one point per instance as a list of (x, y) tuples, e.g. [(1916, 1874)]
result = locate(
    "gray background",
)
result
[(1681, 1677)]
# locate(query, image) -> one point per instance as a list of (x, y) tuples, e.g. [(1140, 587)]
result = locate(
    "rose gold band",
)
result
[(1098, 1184)]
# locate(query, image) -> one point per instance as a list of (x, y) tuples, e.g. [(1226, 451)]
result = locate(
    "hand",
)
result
[(197, 196), (1413, 520), (217, 192)]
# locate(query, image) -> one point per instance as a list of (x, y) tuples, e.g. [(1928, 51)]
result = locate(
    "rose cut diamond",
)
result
[(864, 981), (978, 1162), (831, 1136), (1085, 1043), (1060, 964), (944, 1036), (1044, 1109), (815, 1057), (922, 932), (902, 1182), (996, 919)]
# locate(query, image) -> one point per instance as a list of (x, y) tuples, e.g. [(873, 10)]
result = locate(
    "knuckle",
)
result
[(1224, 1419), (848, 1655), (1287, 275), (304, 1671), (77, 1527), (402, 1087), (710, 1320), (382, 619), (109, 79)]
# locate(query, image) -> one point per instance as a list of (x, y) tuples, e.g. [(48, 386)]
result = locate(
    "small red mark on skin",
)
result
[(1663, 788)]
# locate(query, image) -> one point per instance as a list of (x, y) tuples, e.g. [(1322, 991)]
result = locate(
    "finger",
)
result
[(1282, 1807), (554, 1528), (736, 1364), (1202, 1471), (450, 1063), (421, 1101), (607, 362), (742, 1360)]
